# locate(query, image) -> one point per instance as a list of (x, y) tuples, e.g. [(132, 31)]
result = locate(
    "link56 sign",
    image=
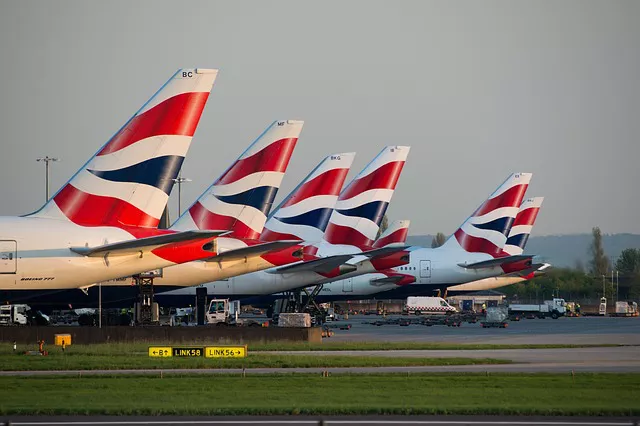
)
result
[(225, 351)]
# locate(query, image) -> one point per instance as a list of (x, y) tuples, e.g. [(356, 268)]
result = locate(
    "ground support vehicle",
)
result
[(497, 316), (626, 309), (549, 308), (223, 312), (14, 314), (420, 305)]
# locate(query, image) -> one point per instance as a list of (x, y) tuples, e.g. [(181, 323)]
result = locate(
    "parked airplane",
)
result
[(472, 253), (355, 220), (518, 237), (102, 224), (237, 202)]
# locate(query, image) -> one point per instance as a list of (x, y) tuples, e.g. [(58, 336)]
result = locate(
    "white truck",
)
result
[(428, 305), (225, 312), (549, 308), (626, 309), (14, 314)]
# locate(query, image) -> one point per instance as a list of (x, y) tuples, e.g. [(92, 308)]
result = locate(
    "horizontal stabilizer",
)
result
[(397, 279), (322, 265), (384, 251), (386, 280), (535, 270), (494, 263), (145, 244), (251, 251)]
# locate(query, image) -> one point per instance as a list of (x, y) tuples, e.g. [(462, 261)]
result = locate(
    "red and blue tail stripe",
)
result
[(362, 205), (305, 212), (486, 230), (240, 199), (127, 183)]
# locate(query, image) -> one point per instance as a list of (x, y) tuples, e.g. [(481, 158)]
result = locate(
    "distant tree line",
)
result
[(578, 283)]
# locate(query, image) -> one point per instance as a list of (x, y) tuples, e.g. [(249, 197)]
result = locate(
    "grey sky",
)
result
[(478, 89)]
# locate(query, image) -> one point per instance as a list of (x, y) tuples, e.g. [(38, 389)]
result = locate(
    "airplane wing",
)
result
[(250, 251), (145, 244), (492, 263), (327, 264), (323, 264)]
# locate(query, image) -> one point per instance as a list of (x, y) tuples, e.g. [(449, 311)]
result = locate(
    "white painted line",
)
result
[(326, 422), (472, 422), (167, 422)]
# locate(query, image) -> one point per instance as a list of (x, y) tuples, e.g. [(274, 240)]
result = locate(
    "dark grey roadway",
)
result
[(303, 420), (584, 330)]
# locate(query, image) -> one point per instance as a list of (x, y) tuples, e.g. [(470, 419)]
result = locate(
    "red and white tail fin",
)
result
[(304, 213), (363, 203), (523, 225), (128, 181), (396, 233), (240, 199), (486, 230)]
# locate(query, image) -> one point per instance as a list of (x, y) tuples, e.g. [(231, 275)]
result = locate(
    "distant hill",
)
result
[(562, 250)]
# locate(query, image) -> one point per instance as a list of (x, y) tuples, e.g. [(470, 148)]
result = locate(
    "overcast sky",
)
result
[(478, 89)]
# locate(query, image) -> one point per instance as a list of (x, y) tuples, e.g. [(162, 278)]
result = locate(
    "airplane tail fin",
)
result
[(523, 225), (486, 230), (304, 213), (240, 199), (396, 233), (362, 204), (128, 181)]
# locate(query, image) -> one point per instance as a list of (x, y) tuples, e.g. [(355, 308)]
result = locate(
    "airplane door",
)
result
[(425, 270), (347, 285), (8, 257)]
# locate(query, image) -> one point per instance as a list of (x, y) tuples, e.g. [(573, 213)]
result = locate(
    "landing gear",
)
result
[(147, 309), (300, 301)]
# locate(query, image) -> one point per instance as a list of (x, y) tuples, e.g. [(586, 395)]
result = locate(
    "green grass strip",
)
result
[(141, 348), (517, 394), (72, 361)]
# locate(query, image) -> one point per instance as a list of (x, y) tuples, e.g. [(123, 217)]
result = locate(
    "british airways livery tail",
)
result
[(396, 233), (523, 225), (240, 199), (128, 181), (304, 213), (486, 230), (363, 203)]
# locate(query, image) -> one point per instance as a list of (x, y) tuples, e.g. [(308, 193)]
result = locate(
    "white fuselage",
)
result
[(35, 254), (199, 272), (428, 266), (271, 281)]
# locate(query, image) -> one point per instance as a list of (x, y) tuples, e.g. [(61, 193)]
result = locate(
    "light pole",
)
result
[(617, 285), (180, 180), (46, 160)]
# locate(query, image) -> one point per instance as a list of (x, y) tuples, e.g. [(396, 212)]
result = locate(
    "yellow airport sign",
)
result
[(225, 351), (188, 352), (160, 351)]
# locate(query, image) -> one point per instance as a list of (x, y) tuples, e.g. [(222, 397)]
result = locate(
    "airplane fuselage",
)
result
[(35, 253)]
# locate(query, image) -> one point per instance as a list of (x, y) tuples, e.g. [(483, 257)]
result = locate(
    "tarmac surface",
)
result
[(579, 331), (321, 421)]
